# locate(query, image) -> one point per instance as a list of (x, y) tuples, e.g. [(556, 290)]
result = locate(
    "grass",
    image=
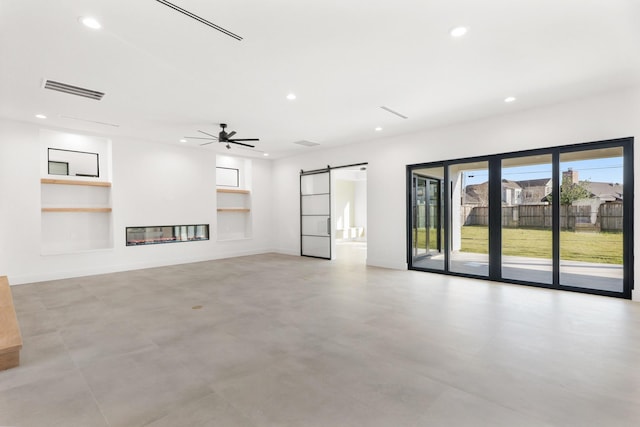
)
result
[(605, 248)]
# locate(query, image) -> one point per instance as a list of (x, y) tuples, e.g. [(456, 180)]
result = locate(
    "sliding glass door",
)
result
[(427, 233), (469, 220), (527, 218), (558, 217), (592, 219)]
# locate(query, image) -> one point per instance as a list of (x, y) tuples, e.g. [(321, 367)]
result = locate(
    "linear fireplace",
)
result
[(153, 235)]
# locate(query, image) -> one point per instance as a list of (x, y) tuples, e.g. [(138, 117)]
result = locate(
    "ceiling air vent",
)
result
[(199, 19), (389, 110), (73, 90), (306, 143), (90, 121)]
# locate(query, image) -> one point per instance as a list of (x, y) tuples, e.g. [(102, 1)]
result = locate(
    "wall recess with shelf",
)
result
[(234, 220), (75, 209)]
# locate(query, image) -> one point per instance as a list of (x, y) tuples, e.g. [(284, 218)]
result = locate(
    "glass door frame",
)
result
[(328, 237), (495, 213), (443, 208), (429, 181)]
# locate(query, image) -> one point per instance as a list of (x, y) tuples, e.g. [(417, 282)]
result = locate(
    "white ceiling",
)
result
[(167, 76)]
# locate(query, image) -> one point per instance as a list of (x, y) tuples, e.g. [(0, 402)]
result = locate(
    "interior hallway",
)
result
[(275, 340)]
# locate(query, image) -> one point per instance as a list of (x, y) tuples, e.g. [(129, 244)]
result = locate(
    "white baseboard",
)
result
[(287, 252), (21, 279), (387, 264)]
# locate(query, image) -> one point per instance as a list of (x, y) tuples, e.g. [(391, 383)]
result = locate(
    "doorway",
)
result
[(333, 213), (349, 210)]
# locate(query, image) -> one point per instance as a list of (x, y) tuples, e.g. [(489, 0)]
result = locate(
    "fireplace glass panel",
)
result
[(154, 235)]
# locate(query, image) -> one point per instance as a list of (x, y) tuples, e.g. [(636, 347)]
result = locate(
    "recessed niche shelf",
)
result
[(233, 198), (76, 215), (227, 190), (234, 210), (75, 182), (75, 193), (97, 210)]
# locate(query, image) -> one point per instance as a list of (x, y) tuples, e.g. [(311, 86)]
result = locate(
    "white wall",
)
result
[(165, 184), (600, 117), (345, 205), (350, 200), (153, 184), (360, 202)]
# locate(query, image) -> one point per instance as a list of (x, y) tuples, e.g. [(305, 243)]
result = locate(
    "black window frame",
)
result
[(495, 228)]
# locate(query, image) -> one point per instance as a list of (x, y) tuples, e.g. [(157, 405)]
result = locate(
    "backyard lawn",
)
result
[(600, 247)]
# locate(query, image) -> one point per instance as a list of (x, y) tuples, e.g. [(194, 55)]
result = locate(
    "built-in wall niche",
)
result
[(76, 216), (75, 156), (233, 198), (74, 163), (153, 235), (75, 193)]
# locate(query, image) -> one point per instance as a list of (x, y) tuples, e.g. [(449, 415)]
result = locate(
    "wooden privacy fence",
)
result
[(607, 218), (610, 215)]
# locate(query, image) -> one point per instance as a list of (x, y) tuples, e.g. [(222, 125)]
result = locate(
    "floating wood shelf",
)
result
[(233, 210), (70, 182), (76, 209), (230, 190)]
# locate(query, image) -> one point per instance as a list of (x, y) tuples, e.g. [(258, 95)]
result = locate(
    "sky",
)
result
[(595, 170)]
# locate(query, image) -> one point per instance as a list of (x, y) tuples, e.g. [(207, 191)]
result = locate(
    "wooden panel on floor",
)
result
[(10, 338)]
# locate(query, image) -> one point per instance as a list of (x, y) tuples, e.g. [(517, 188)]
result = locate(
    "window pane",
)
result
[(469, 183), (591, 207), (314, 184), (527, 240), (427, 229)]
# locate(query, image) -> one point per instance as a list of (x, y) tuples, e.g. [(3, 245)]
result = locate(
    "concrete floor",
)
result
[(588, 275), (290, 341)]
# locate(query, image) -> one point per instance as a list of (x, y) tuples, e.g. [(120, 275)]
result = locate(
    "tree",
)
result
[(570, 192)]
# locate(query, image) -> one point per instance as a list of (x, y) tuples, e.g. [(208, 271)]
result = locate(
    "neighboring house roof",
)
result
[(543, 182), (510, 184), (605, 191), (477, 194)]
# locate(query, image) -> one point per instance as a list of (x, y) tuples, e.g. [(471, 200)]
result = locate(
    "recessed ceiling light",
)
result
[(92, 23), (458, 31), (265, 154), (378, 129), (183, 140), (41, 116), (291, 96), (509, 99)]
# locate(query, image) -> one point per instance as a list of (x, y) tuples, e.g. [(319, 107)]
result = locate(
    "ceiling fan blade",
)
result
[(240, 143), (212, 136), (207, 143), (196, 137), (245, 139), (230, 134)]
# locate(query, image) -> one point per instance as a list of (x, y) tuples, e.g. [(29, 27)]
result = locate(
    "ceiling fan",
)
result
[(224, 137)]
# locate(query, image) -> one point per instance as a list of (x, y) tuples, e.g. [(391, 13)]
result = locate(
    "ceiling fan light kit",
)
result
[(225, 137)]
